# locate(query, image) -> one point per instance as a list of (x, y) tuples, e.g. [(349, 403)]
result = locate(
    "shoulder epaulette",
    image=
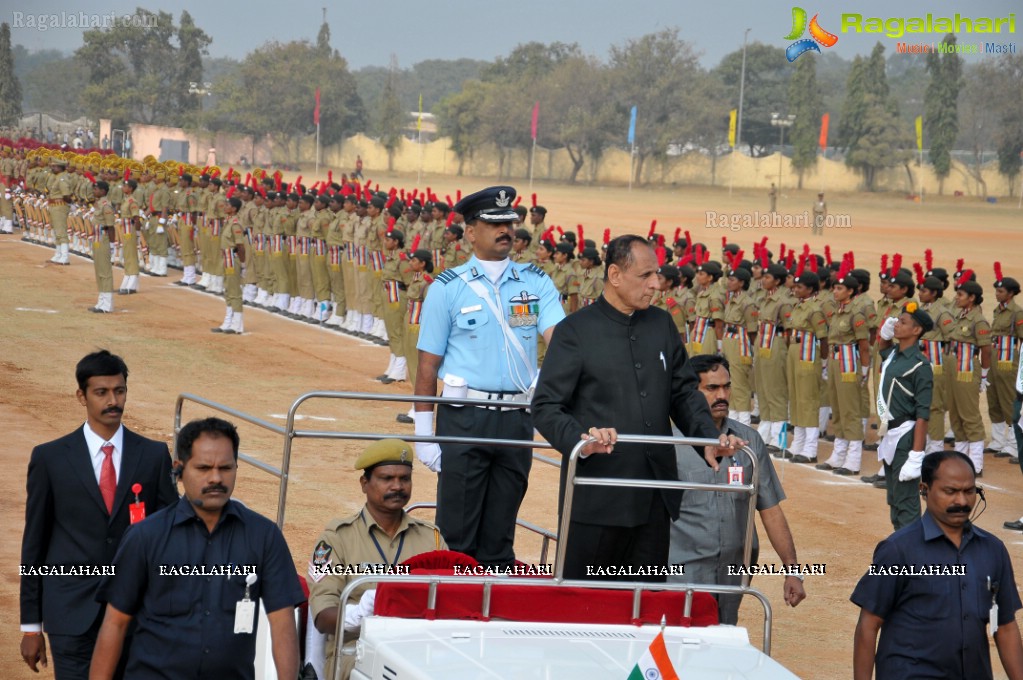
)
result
[(536, 270), (446, 276)]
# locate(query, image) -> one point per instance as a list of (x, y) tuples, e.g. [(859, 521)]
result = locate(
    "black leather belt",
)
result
[(898, 422)]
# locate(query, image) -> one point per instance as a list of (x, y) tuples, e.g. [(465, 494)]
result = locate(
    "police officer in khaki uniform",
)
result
[(129, 238), (381, 534), (709, 310), (931, 292), (740, 329), (807, 329), (59, 193), (968, 355), (1006, 330), (233, 247), (394, 286)]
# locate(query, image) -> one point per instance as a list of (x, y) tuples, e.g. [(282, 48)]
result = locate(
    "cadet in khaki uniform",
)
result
[(418, 281), (187, 207), (393, 282), (564, 276), (251, 219), (291, 256), (591, 280), (279, 252), (335, 254), (59, 193), (741, 322), (668, 278), (375, 232), (708, 310), (380, 535), (932, 343), (160, 207), (104, 221), (849, 341), (769, 366), (968, 341), (349, 264), (453, 254), (1006, 330), (318, 226), (303, 300), (7, 165), (521, 250), (807, 329), (233, 246), (129, 238)]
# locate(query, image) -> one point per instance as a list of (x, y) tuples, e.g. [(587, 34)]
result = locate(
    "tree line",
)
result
[(134, 74)]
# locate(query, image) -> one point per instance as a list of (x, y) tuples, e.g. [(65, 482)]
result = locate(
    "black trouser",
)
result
[(596, 548), (1017, 406), (903, 497), (71, 655), (480, 488)]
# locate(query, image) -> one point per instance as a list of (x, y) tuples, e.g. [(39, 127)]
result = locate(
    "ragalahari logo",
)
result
[(818, 35)]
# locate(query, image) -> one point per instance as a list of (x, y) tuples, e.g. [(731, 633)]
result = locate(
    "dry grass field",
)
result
[(163, 333)]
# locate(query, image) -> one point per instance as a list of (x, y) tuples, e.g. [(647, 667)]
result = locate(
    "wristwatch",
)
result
[(801, 577)]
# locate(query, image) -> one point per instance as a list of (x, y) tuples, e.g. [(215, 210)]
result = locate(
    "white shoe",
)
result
[(764, 430), (283, 300), (997, 436), (249, 292), (296, 305), (400, 371), (189, 275), (308, 308), (854, 458), (108, 302), (237, 327), (838, 453), (352, 320), (390, 367), (334, 319), (204, 280), (262, 298), (798, 441), (810, 447), (366, 325), (226, 323)]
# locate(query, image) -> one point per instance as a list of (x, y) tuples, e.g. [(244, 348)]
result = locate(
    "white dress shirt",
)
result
[(95, 444)]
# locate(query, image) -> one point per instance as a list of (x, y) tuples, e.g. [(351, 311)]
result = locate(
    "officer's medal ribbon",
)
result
[(137, 510), (524, 310)]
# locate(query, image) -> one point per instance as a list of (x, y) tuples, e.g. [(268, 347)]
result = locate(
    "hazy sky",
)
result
[(367, 33)]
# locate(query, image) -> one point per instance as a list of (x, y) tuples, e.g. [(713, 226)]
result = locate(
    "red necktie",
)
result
[(107, 476)]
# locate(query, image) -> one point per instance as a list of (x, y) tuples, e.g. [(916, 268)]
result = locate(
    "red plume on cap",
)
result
[(390, 223), (918, 268), (852, 260), (402, 194), (561, 232), (451, 218), (88, 176), (929, 259), (959, 265), (607, 236), (653, 227), (368, 192), (896, 265), (964, 276), (846, 267), (518, 199), (534, 200), (699, 254), (802, 265), (181, 170), (248, 178), (277, 182), (737, 258), (812, 259), (706, 257), (579, 230), (231, 190), (415, 192), (415, 242), (376, 186), (781, 253), (884, 263), (678, 232), (998, 271), (791, 262), (827, 255), (458, 194), (330, 177), (448, 199), (689, 241), (763, 257), (548, 235), (262, 191), (127, 174)]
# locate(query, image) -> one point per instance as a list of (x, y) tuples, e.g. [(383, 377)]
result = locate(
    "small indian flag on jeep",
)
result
[(655, 663)]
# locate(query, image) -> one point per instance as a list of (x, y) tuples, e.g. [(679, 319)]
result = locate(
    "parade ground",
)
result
[(164, 335)]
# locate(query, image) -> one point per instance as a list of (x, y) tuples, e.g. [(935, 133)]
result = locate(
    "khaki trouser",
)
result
[(58, 221), (804, 379), (336, 277), (411, 339), (846, 398), (394, 320), (741, 369), (232, 281), (1002, 393), (321, 277), (101, 263), (963, 400)]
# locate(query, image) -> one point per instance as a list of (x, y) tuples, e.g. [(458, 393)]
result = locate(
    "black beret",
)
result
[(101, 184), (741, 274), (132, 183), (809, 278), (687, 271), (939, 273), (204, 177), (294, 197), (323, 198), (235, 203), (566, 248), (569, 236), (922, 318), (902, 279), (186, 177), (539, 209), (307, 198), (493, 204), (971, 288), (713, 268), (777, 270), (523, 234), (396, 235), (456, 230), (732, 248), (216, 181), (377, 202), (1008, 283), (591, 254), (932, 283), (425, 257), (671, 273)]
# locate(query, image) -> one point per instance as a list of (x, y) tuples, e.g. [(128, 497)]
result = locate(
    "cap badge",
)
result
[(502, 200)]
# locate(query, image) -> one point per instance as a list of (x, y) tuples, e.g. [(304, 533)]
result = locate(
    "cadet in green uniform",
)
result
[(807, 329), (232, 246), (393, 283), (903, 402), (741, 319), (381, 534), (770, 365), (104, 221), (969, 340), (849, 342), (1006, 330), (932, 343)]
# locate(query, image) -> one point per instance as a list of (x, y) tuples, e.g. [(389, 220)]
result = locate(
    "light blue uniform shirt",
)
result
[(459, 325)]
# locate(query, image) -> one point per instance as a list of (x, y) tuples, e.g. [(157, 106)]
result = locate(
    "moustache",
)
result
[(396, 496), (720, 402), (959, 510), (114, 409), (215, 487)]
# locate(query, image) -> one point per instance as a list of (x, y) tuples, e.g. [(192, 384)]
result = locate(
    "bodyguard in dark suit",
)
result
[(618, 365), (79, 493)]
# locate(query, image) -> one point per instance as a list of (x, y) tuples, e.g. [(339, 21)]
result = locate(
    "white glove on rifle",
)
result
[(428, 454), (355, 613), (911, 468), (887, 331)]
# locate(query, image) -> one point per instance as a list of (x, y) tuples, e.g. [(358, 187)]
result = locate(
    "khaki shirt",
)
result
[(971, 327), (710, 303), (847, 325), (354, 542)]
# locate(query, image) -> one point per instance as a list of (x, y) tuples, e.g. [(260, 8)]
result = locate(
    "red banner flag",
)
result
[(536, 119), (316, 111), (824, 131)]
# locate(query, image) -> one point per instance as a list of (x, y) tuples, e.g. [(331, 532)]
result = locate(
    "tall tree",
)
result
[(323, 37), (392, 119), (458, 119), (192, 46), (765, 92), (941, 104), (1009, 104), (978, 118), (805, 104), (10, 88)]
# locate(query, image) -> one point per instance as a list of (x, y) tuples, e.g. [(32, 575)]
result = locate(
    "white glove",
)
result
[(159, 229), (887, 331), (911, 468), (355, 613), (720, 345), (162, 220), (7, 195), (984, 383), (428, 454), (824, 370), (864, 374)]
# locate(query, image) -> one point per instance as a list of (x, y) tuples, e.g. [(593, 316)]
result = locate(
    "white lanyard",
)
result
[(510, 337)]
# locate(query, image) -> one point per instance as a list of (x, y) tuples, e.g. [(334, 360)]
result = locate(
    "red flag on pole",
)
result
[(316, 111), (824, 131), (536, 119)]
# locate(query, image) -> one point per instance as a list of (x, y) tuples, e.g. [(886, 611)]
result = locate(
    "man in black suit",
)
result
[(79, 491), (618, 365)]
